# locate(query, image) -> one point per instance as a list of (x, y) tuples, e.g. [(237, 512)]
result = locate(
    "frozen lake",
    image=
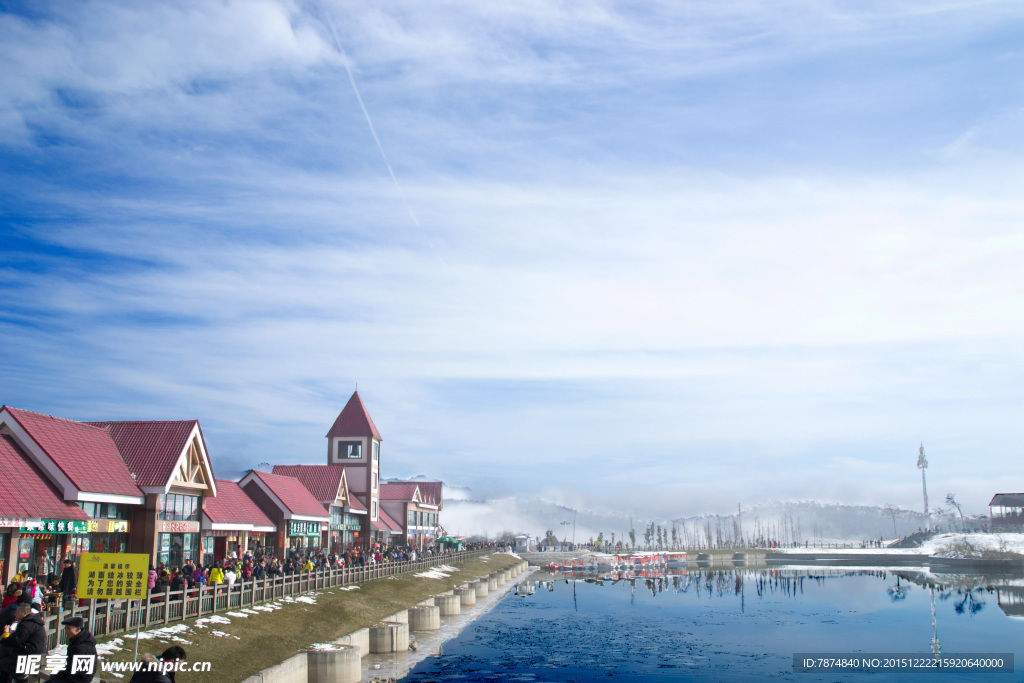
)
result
[(734, 625)]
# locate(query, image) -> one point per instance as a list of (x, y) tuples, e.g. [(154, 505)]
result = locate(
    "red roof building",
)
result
[(82, 460), (418, 515), (27, 497), (232, 523), (140, 485), (328, 485), (169, 461), (299, 517)]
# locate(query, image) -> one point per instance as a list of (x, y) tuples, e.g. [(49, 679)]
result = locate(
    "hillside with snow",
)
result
[(783, 522)]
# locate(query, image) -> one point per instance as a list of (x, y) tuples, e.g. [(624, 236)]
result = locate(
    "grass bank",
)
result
[(240, 642)]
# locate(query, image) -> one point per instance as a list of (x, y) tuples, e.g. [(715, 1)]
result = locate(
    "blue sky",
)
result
[(674, 255)]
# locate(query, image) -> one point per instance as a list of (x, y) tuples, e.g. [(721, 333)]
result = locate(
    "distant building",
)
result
[(1006, 511), (416, 507), (525, 544)]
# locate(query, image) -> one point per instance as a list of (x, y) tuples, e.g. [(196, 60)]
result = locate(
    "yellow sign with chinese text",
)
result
[(113, 576)]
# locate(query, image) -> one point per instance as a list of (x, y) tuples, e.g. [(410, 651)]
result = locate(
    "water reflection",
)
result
[(966, 590), (730, 623)]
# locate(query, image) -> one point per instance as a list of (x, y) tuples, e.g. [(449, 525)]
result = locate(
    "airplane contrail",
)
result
[(366, 114)]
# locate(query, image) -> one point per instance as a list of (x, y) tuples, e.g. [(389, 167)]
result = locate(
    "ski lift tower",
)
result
[(922, 464)]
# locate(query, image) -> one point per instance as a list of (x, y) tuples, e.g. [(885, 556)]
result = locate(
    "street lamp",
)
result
[(573, 529)]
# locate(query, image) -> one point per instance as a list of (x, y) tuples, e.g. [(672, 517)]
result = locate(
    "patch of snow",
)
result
[(348, 588), (215, 619), (166, 633), (106, 648), (237, 614), (221, 634), (302, 598), (433, 574), (322, 646), (250, 611)]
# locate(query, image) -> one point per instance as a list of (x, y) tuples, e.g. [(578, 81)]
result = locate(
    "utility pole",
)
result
[(922, 463)]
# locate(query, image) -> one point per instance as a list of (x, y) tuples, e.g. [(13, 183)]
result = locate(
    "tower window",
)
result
[(350, 450)]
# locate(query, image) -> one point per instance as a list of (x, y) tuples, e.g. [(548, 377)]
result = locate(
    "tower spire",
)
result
[(922, 463)]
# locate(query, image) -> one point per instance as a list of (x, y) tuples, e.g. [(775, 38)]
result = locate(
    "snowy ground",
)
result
[(1011, 542)]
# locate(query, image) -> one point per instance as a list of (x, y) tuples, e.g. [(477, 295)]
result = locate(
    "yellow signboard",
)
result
[(113, 576)]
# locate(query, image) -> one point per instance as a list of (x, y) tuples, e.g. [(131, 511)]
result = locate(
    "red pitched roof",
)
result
[(385, 523), (354, 420), (430, 491), (397, 490), (354, 502), (391, 524), (25, 491), (232, 506), (292, 494), (321, 480), (150, 448), (84, 453)]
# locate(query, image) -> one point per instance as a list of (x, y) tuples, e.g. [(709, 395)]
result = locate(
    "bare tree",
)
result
[(951, 501), (892, 511)]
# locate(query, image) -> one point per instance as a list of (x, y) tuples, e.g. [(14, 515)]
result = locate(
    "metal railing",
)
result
[(109, 617)]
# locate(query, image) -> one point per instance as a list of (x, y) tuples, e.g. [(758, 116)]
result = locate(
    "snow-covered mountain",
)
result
[(782, 522)]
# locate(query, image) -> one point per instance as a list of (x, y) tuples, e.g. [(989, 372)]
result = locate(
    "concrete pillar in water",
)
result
[(389, 637), (499, 576), (506, 576), (467, 596), (425, 618), (449, 605), (492, 583), (342, 665), (481, 588)]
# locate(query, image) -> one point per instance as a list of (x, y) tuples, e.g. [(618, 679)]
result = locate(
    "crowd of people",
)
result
[(26, 599), (258, 564)]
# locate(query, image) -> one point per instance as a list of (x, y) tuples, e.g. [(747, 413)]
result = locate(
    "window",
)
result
[(373, 509), (374, 480), (376, 450), (350, 450), (178, 508), (104, 510)]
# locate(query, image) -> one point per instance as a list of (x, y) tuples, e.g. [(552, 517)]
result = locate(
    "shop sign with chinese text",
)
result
[(59, 526), (303, 528)]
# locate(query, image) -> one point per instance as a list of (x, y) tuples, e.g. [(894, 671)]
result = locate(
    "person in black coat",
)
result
[(80, 642), (28, 639), (68, 583)]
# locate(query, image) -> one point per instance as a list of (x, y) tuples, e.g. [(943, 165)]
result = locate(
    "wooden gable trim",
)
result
[(342, 497), (193, 471)]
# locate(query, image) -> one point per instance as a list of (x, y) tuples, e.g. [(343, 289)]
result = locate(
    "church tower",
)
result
[(353, 441)]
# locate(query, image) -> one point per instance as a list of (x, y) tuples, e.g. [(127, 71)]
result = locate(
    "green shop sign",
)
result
[(59, 526), (303, 528)]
